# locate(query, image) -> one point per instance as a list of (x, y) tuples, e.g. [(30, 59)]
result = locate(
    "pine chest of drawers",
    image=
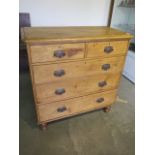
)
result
[(74, 69)]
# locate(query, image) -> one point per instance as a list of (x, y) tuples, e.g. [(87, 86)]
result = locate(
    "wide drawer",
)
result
[(106, 49), (61, 71), (44, 53), (74, 87), (74, 106)]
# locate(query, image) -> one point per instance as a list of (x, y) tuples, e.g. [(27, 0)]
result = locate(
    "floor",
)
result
[(94, 133)]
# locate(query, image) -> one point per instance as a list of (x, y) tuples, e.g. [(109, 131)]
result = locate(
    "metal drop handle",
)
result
[(99, 100), (108, 49), (61, 109), (59, 54), (106, 66), (102, 84), (60, 91), (59, 73)]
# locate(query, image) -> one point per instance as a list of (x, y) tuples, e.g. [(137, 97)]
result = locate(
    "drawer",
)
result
[(61, 71), (43, 53), (74, 106), (74, 87), (106, 49)]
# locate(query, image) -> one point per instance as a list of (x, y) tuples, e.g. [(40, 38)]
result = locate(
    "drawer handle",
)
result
[(61, 109), (99, 100), (59, 53), (106, 66), (108, 49), (59, 73), (102, 84), (60, 91)]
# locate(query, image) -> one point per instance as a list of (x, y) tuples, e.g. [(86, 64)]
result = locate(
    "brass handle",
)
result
[(60, 91), (61, 109), (59, 53), (106, 66), (59, 73), (102, 84), (108, 49), (99, 100)]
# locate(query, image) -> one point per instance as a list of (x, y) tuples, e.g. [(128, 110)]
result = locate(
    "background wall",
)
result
[(66, 12)]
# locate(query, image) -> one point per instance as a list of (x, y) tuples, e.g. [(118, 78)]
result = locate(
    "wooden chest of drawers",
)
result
[(74, 69)]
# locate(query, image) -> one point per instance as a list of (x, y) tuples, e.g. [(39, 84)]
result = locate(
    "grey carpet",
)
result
[(94, 133)]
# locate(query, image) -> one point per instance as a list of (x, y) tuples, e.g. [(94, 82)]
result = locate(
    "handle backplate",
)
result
[(61, 109), (59, 53), (102, 84), (59, 73), (60, 91), (99, 100), (108, 49), (106, 66)]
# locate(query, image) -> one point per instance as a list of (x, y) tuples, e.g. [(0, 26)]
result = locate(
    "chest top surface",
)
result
[(52, 34)]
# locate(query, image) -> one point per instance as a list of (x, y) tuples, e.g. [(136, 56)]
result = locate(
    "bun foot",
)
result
[(107, 109), (44, 126)]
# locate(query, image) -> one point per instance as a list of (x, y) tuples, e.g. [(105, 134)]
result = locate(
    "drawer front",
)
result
[(107, 49), (43, 53), (74, 87), (61, 71), (74, 106)]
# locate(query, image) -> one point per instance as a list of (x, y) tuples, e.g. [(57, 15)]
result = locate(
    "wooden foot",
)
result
[(107, 109), (44, 126)]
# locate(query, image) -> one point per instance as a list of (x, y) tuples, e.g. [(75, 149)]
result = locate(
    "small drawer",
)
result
[(74, 106), (107, 49), (74, 87), (45, 53)]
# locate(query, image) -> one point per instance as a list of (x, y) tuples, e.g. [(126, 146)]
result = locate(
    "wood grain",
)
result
[(96, 49), (45, 73), (75, 87), (76, 105), (46, 52), (72, 34)]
